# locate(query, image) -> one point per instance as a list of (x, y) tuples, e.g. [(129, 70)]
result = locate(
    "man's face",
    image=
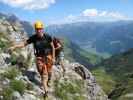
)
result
[(39, 32)]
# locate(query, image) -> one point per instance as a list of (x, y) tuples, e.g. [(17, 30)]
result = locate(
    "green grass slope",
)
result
[(116, 76), (74, 53)]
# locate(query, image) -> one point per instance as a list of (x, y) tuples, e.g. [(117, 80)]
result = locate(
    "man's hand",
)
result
[(53, 60), (20, 45), (11, 48)]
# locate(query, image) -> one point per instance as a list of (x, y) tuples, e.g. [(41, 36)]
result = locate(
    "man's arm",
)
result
[(53, 50), (58, 47), (23, 44), (20, 45)]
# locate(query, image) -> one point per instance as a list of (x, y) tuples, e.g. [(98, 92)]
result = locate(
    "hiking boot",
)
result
[(45, 94)]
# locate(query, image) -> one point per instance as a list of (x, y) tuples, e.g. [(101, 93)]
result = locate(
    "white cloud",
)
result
[(91, 15), (70, 17), (29, 4), (90, 12), (99, 13), (103, 13), (117, 15)]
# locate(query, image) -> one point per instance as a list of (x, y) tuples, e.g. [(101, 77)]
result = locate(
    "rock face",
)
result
[(14, 24), (15, 30), (12, 32), (93, 89), (74, 71)]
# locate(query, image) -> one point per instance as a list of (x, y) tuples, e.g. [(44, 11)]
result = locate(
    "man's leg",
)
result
[(44, 79), (62, 65), (49, 67), (42, 69), (61, 60), (39, 64)]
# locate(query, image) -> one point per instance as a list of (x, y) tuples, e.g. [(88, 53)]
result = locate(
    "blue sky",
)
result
[(66, 11)]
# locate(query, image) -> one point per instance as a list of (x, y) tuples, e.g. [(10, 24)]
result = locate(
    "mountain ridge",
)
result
[(102, 37)]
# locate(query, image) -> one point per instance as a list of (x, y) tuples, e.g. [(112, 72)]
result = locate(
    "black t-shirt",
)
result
[(42, 45)]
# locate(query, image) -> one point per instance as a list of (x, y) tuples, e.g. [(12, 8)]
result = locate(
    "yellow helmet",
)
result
[(38, 24)]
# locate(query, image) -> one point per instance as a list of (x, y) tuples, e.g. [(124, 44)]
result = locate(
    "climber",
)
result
[(44, 51), (59, 55)]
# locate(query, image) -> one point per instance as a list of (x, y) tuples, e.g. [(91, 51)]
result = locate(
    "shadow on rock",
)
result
[(32, 76)]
